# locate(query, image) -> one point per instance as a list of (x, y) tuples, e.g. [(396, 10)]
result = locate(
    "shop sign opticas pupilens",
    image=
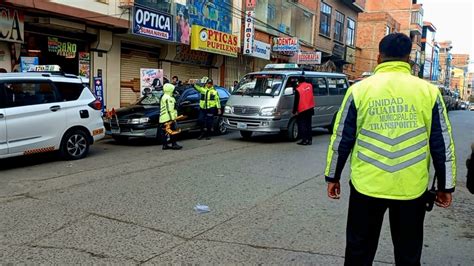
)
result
[(213, 41)]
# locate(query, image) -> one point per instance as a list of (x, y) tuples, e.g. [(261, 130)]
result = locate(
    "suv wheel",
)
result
[(220, 127), (75, 145)]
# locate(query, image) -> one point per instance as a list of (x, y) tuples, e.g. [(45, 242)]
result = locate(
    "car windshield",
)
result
[(259, 85), (150, 99)]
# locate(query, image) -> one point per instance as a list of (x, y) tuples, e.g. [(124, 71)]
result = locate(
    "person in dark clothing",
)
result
[(303, 108)]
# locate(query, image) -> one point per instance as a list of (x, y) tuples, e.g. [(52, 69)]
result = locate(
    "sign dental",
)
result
[(151, 23)]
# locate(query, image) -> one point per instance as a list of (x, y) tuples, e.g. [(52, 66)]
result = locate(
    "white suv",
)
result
[(43, 112)]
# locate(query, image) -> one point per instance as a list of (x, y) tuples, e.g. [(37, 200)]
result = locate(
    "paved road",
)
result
[(133, 204)]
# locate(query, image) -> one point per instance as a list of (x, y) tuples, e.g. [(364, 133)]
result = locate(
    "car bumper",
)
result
[(256, 124), (126, 130)]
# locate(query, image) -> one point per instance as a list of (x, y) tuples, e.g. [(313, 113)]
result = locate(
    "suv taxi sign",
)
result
[(45, 68), (282, 66)]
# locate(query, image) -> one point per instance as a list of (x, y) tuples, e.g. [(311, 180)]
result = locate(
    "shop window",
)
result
[(319, 86), (301, 24), (350, 32), (339, 27), (30, 93), (69, 91), (325, 23)]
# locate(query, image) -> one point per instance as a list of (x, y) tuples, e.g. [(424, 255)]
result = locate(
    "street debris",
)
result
[(199, 208)]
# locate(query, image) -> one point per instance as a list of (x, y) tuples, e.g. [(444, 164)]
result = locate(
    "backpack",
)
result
[(470, 171)]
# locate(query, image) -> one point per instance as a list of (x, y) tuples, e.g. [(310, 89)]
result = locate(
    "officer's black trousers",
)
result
[(206, 119), (304, 125), (365, 222)]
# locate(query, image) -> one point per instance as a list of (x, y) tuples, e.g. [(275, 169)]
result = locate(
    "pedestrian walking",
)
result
[(390, 123), (168, 114), (303, 108), (210, 106)]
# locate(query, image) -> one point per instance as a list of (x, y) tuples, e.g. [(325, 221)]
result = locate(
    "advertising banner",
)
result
[(262, 50), (249, 32), (309, 58), (12, 25), (183, 28), (84, 64), (285, 44), (152, 23), (213, 41), (213, 14), (27, 62), (150, 78), (99, 91), (250, 4), (62, 48)]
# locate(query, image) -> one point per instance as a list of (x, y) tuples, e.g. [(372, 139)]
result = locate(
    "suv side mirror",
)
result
[(288, 91)]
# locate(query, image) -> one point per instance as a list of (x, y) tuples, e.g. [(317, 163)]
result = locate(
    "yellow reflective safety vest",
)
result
[(168, 110), (385, 125), (209, 97)]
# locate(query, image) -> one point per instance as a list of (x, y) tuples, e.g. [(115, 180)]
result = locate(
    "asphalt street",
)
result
[(133, 204)]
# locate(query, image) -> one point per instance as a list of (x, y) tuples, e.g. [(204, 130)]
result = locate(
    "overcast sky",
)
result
[(454, 21)]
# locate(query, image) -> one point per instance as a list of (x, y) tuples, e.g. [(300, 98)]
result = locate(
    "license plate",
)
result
[(241, 126), (115, 131)]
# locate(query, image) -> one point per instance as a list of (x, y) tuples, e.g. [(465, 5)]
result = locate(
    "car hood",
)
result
[(137, 111), (258, 101)]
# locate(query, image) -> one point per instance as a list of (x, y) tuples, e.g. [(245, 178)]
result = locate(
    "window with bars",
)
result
[(350, 32), (325, 23), (339, 27)]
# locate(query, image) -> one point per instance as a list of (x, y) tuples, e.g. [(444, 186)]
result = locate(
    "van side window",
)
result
[(337, 86), (30, 93), (319, 86)]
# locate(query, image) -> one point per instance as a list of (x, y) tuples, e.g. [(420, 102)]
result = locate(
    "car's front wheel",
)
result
[(75, 145), (220, 127)]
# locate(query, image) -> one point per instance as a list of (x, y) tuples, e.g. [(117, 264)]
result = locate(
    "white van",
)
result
[(44, 112), (263, 101)]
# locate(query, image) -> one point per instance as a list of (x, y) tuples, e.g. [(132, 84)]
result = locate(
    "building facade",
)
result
[(430, 66), (445, 58), (406, 14)]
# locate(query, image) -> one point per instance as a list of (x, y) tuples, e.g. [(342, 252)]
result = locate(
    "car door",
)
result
[(337, 89), (34, 116), (188, 105), (3, 125)]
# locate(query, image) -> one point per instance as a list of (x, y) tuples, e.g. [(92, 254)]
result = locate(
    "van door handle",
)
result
[(54, 108)]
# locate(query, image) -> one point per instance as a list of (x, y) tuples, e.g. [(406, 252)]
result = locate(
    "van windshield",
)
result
[(260, 85)]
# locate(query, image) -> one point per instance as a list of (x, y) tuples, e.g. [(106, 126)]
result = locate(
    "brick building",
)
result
[(445, 58), (460, 61), (382, 17)]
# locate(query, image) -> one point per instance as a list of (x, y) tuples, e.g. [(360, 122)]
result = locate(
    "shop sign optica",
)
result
[(213, 41), (285, 44), (152, 23), (12, 25)]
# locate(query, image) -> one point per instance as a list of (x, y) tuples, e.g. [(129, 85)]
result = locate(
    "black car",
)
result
[(142, 118)]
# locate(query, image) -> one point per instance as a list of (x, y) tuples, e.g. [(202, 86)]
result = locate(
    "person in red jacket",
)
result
[(304, 110)]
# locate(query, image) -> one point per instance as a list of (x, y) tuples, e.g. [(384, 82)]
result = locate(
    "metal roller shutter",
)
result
[(131, 62), (186, 71), (236, 68)]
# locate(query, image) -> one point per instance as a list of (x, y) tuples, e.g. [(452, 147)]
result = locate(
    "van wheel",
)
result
[(75, 145), (246, 134), (219, 127), (120, 139), (292, 133)]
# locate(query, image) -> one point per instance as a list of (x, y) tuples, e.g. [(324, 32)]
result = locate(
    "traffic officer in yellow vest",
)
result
[(210, 106), (389, 124), (168, 113)]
